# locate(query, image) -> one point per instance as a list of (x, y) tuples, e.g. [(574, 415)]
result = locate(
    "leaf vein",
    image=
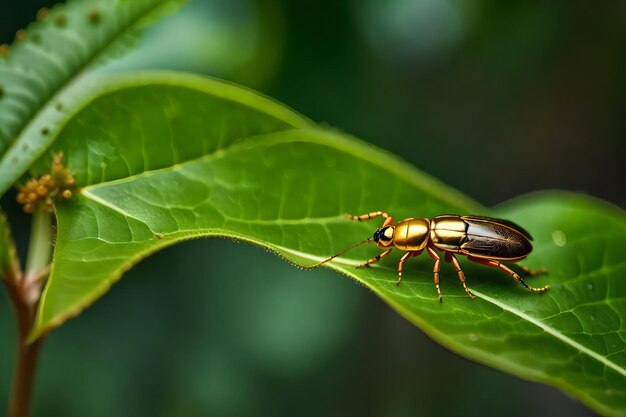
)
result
[(581, 348)]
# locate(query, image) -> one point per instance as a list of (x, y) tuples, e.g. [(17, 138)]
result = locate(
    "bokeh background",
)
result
[(494, 98)]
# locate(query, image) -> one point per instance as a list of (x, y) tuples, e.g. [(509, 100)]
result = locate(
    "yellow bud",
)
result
[(60, 20), (20, 35), (94, 16), (42, 13)]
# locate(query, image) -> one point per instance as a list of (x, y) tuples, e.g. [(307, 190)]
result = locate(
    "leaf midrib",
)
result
[(303, 220), (370, 154), (553, 332)]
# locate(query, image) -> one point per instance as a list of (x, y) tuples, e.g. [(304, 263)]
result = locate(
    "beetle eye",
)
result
[(385, 234)]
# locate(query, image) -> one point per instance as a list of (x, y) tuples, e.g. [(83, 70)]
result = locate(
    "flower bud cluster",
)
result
[(48, 188)]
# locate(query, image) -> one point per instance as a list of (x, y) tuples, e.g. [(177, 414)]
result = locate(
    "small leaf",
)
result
[(47, 57), (174, 158), (9, 263)]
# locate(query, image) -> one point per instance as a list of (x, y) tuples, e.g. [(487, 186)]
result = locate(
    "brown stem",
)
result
[(24, 291), (21, 294)]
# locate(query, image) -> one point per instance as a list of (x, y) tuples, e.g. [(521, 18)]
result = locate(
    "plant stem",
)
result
[(27, 354), (24, 291)]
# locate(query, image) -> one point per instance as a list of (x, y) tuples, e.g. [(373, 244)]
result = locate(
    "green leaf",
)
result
[(165, 158), (54, 52)]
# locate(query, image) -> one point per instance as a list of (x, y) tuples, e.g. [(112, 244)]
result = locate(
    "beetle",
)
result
[(484, 240)]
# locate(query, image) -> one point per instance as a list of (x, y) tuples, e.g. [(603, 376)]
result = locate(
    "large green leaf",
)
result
[(46, 58), (164, 158)]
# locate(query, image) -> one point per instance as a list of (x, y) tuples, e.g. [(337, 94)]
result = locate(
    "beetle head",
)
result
[(384, 236)]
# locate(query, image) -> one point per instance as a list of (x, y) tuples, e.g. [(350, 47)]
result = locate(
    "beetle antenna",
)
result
[(340, 253)]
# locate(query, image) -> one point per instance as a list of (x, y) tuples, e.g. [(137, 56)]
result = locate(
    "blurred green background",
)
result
[(494, 98)]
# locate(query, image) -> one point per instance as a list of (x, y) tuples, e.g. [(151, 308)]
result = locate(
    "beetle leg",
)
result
[(368, 216), (509, 271), (532, 272), (374, 259), (436, 268), (459, 271), (401, 264)]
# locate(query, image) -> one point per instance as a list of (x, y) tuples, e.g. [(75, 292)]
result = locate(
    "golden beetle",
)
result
[(483, 240)]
